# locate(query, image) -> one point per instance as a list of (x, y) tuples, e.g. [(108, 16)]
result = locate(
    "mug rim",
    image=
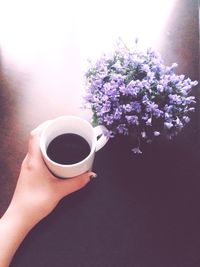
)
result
[(42, 142)]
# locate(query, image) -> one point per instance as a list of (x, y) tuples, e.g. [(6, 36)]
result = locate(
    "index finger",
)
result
[(34, 139)]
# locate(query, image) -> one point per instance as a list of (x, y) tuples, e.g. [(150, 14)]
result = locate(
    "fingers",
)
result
[(70, 185), (34, 139), (63, 186), (40, 127)]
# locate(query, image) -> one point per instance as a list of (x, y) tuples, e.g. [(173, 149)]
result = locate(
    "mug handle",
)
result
[(99, 131)]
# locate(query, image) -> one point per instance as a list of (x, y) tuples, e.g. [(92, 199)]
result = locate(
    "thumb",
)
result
[(70, 185)]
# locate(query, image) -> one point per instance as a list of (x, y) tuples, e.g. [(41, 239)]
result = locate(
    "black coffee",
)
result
[(68, 148)]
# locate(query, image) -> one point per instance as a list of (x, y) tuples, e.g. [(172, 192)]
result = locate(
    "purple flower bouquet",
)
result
[(132, 93)]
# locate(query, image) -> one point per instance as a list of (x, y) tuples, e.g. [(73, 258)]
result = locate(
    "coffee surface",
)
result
[(68, 148)]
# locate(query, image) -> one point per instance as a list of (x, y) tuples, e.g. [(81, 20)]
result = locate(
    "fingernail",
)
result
[(94, 175)]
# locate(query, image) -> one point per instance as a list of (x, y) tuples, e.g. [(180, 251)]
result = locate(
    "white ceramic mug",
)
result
[(76, 125)]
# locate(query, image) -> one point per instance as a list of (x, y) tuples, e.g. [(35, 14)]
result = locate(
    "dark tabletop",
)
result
[(141, 211)]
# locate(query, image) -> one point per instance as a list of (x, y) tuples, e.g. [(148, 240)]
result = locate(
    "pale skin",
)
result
[(37, 193)]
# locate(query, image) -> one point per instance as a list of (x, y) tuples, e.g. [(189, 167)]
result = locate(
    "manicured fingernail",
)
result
[(94, 175)]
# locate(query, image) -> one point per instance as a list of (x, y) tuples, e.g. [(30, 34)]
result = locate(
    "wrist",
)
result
[(13, 229), (18, 220)]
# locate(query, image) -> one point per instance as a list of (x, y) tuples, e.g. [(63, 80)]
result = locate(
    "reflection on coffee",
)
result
[(68, 148)]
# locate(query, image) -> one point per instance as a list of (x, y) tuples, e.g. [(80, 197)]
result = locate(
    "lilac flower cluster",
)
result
[(134, 93)]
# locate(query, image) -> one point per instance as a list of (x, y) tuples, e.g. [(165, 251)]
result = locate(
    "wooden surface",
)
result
[(44, 50)]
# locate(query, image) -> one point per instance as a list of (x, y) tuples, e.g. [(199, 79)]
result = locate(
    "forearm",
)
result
[(13, 229)]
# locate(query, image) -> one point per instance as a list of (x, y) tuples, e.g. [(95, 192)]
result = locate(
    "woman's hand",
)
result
[(37, 193)]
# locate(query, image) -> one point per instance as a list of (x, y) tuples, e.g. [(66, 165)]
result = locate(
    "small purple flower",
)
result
[(117, 66), (106, 107), (167, 116), (110, 90), (145, 117), (117, 114), (88, 97), (191, 109), (145, 68), (122, 129), (149, 122), (170, 70), (145, 99), (186, 119), (133, 89), (132, 120), (156, 133), (151, 106), (189, 100), (108, 119), (175, 99), (168, 109), (157, 113), (136, 106), (178, 123), (97, 83), (118, 79), (168, 125), (127, 108), (108, 134), (143, 134), (160, 88)]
